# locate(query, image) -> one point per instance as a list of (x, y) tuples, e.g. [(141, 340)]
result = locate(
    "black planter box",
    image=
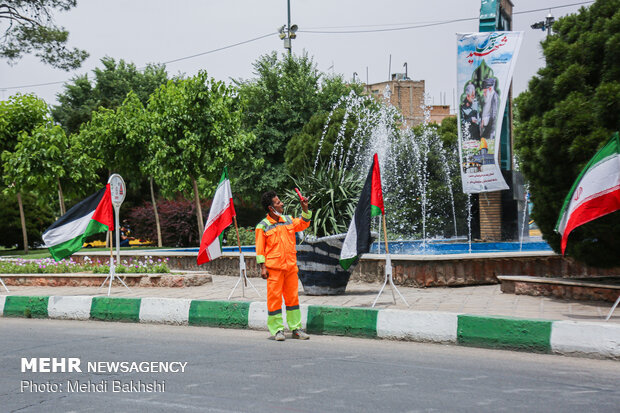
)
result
[(318, 260)]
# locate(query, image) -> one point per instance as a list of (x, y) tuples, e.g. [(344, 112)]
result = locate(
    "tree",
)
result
[(19, 114), (280, 100), (196, 127), (302, 148), (570, 111), (120, 139), (109, 89), (29, 27), (325, 129), (38, 216), (43, 159)]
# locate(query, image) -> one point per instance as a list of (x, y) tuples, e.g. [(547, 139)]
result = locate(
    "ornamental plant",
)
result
[(147, 265)]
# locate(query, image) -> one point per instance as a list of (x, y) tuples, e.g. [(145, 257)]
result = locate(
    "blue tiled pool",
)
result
[(431, 247)]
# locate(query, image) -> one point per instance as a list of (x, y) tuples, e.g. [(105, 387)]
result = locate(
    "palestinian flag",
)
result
[(358, 239), (91, 216), (220, 216), (595, 193)]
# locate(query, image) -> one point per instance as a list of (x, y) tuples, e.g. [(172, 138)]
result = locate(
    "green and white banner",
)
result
[(485, 63)]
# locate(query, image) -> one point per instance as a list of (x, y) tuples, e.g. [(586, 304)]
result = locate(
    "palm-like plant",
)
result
[(332, 194)]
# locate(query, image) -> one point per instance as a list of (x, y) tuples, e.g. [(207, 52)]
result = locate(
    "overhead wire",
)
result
[(430, 24), (409, 27), (163, 63)]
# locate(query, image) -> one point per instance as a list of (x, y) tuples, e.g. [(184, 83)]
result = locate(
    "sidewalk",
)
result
[(479, 316), (484, 300)]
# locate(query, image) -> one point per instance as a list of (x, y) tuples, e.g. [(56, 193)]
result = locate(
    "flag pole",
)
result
[(242, 271), (111, 262), (245, 284), (2, 282), (388, 270), (387, 251)]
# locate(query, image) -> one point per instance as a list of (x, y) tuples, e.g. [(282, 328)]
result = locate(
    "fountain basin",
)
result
[(417, 247)]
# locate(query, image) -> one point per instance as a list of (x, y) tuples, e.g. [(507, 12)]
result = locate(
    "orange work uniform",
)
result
[(275, 247)]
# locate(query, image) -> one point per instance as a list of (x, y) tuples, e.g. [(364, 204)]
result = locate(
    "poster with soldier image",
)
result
[(485, 63)]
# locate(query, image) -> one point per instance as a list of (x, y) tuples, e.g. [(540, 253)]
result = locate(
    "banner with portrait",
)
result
[(485, 63)]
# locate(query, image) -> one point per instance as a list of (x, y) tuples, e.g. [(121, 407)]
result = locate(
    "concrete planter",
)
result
[(319, 266), (318, 260)]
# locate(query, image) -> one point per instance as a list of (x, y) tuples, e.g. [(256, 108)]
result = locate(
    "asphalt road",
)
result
[(241, 370)]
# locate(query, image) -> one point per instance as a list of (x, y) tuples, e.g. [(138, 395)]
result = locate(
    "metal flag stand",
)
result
[(242, 271), (112, 273), (388, 272), (608, 315), (117, 192), (2, 282)]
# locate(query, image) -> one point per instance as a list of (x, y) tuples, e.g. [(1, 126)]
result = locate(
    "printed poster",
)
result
[(485, 63)]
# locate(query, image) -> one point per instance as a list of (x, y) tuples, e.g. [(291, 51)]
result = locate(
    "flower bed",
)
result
[(141, 265)]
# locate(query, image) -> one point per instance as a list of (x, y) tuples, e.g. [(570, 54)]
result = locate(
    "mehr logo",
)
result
[(487, 45), (51, 365)]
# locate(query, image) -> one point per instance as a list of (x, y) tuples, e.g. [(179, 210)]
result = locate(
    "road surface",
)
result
[(242, 370)]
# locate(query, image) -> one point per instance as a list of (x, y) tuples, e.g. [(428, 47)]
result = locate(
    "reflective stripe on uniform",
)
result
[(287, 221), (274, 312)]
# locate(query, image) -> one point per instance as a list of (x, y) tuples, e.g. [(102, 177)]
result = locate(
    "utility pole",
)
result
[(288, 32), (545, 24), (288, 25)]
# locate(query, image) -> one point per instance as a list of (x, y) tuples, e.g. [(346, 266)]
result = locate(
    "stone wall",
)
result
[(441, 271), (420, 271)]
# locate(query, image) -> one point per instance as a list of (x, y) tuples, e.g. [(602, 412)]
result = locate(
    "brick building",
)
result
[(408, 95)]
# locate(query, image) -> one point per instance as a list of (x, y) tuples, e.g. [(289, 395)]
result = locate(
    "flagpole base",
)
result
[(2, 282), (390, 279), (242, 277), (613, 308), (111, 277)]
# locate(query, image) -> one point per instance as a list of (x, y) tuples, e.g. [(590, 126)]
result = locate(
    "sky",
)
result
[(156, 31)]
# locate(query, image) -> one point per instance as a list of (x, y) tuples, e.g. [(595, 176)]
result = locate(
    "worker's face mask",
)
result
[(276, 213)]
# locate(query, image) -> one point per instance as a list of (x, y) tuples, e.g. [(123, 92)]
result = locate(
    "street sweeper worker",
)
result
[(276, 255)]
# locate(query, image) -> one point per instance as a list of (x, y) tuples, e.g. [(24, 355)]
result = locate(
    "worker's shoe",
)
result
[(279, 336), (300, 334)]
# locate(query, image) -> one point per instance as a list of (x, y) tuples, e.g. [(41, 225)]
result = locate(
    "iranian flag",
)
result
[(91, 216), (358, 239), (595, 193), (220, 216)]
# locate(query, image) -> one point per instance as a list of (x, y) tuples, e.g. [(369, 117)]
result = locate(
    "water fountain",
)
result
[(409, 160), (406, 157)]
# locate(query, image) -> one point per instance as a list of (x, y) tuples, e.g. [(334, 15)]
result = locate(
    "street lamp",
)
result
[(545, 25)]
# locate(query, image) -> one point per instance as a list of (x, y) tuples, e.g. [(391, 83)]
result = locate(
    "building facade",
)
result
[(408, 95)]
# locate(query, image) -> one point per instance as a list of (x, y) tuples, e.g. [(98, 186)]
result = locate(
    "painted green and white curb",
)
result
[(542, 336)]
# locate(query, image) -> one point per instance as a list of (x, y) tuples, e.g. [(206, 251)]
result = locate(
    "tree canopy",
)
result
[(20, 113), (28, 27), (196, 127), (109, 88), (568, 113), (279, 101)]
